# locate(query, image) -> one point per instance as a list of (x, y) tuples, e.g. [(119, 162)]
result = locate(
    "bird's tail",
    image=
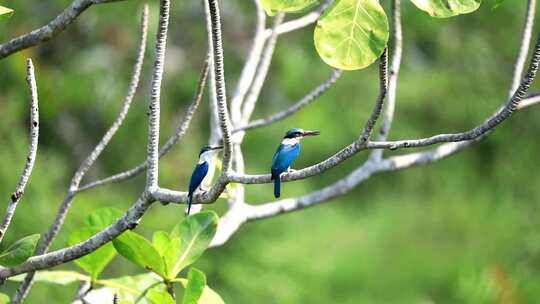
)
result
[(277, 186), (189, 199)]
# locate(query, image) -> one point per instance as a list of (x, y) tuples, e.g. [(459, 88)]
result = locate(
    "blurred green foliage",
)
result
[(463, 230)]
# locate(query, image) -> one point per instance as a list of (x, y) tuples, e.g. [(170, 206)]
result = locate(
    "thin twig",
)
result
[(180, 131), (262, 71), (383, 88), (397, 51), (50, 30), (32, 150), (250, 67), (306, 100), (524, 47)]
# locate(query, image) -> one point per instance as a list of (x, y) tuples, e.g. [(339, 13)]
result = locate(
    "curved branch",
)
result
[(50, 30), (32, 150), (90, 160), (524, 47), (250, 67), (181, 129), (306, 100)]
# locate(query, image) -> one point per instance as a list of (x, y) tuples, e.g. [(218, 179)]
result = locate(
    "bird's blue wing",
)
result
[(197, 176), (284, 157)]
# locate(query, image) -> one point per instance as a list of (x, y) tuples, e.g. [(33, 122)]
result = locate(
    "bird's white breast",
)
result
[(289, 141), (206, 157)]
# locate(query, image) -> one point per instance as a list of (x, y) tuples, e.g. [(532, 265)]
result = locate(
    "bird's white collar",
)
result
[(290, 141), (206, 157)]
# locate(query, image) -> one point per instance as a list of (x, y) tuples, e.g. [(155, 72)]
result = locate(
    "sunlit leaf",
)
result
[(95, 262), (103, 217), (448, 8), (274, 6), (352, 34), (195, 286), (5, 12), (4, 298), (160, 241), (159, 296), (19, 251), (59, 277), (140, 251), (208, 296), (196, 233)]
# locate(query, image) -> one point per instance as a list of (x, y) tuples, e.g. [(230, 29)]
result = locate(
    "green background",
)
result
[(462, 230)]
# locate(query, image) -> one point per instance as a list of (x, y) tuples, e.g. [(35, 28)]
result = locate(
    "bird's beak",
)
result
[(311, 133), (216, 147)]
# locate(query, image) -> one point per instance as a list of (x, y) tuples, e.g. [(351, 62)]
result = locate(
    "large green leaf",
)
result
[(103, 217), (19, 251), (168, 249), (195, 286), (352, 34), (139, 251), (196, 233), (5, 12), (95, 262), (59, 277), (447, 8), (274, 6)]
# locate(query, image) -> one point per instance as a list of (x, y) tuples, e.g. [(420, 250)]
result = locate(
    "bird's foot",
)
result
[(291, 170)]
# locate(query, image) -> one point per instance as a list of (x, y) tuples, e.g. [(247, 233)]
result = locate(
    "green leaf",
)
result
[(130, 288), (139, 251), (103, 217), (59, 277), (208, 296), (447, 8), (159, 296), (5, 12), (286, 6), (4, 298), (352, 34), (160, 241), (196, 233), (95, 262), (19, 251), (195, 286)]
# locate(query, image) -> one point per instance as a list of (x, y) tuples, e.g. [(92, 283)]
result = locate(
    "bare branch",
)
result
[(128, 221), (301, 22), (524, 47), (390, 105), (306, 100), (154, 108), (90, 160), (250, 67), (383, 88), (214, 17), (180, 131), (50, 30), (32, 150), (262, 70)]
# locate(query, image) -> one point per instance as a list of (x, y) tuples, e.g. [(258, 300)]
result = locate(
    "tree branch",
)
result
[(152, 172), (180, 131), (32, 150), (306, 100), (50, 30), (90, 160), (524, 47)]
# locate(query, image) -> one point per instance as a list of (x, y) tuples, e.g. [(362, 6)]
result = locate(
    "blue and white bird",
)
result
[(286, 154), (200, 171)]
